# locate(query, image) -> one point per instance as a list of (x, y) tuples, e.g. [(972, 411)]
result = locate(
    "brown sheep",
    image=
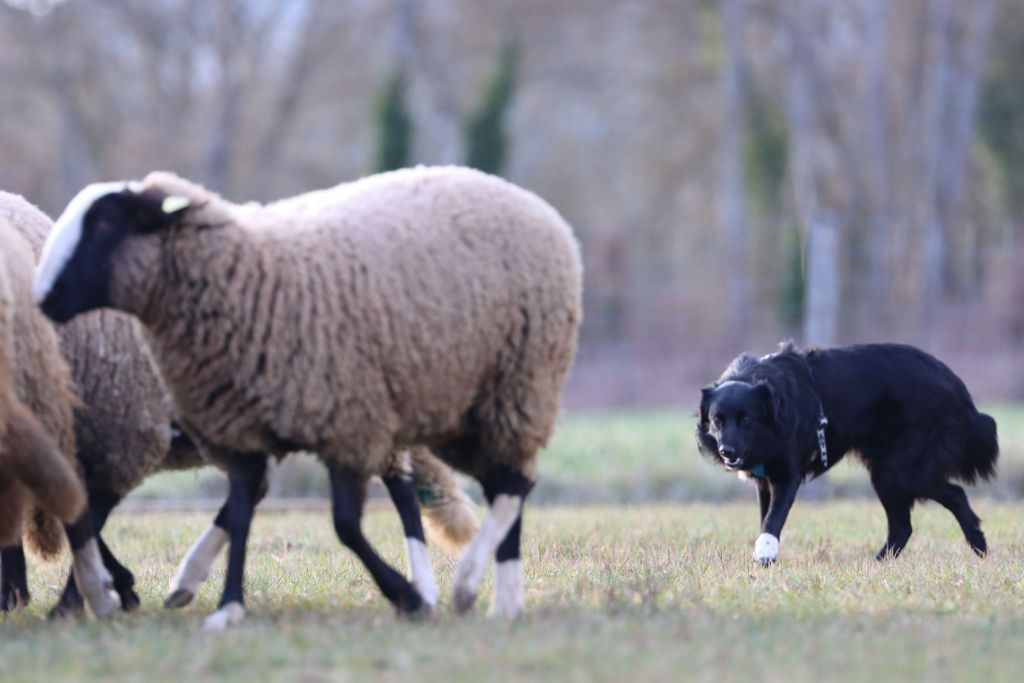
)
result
[(37, 442), (435, 306)]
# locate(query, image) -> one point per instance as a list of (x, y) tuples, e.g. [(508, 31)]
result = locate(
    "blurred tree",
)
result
[(486, 133), (394, 125), (1002, 106)]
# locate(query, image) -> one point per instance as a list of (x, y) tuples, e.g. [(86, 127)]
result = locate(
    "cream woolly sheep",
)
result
[(433, 306), (37, 443), (125, 432)]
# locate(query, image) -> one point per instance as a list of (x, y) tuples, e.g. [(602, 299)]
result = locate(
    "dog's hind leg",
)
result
[(953, 498), (897, 506)]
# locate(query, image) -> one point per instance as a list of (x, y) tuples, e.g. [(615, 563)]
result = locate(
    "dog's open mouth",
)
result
[(734, 464)]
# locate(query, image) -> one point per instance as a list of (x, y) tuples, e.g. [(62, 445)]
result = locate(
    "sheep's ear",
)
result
[(174, 204), (151, 211)]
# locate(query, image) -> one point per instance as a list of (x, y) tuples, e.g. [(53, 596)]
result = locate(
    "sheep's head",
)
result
[(77, 264)]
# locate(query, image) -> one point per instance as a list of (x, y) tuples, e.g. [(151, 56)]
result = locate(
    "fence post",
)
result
[(821, 300)]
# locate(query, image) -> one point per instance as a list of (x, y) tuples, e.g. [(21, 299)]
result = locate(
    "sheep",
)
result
[(125, 432), (427, 306), (37, 442), (123, 425)]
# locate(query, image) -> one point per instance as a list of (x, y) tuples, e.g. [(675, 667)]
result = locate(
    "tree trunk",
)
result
[(732, 212)]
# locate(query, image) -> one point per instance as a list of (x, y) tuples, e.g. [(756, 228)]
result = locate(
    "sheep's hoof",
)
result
[(463, 600), (421, 613), (105, 603), (429, 593), (129, 599), (66, 609), (13, 598), (179, 598), (230, 614)]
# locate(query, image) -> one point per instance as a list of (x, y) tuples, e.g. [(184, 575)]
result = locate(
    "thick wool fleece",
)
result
[(124, 424), (38, 483), (405, 308)]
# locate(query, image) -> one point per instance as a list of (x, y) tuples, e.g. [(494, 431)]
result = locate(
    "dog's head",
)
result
[(737, 423)]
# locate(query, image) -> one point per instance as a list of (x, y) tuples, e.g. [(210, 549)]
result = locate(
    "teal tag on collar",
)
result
[(757, 471)]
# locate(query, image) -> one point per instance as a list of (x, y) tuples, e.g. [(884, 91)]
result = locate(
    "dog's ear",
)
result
[(771, 399), (706, 444), (706, 393)]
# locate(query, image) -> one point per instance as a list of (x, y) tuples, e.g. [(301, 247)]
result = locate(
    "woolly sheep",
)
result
[(37, 443), (125, 432), (434, 306)]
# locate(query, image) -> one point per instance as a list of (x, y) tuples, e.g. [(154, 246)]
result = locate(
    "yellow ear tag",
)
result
[(174, 203)]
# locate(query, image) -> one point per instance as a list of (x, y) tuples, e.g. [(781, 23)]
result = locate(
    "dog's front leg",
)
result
[(764, 496), (781, 494)]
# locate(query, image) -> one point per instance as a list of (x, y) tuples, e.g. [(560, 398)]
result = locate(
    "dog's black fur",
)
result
[(901, 411)]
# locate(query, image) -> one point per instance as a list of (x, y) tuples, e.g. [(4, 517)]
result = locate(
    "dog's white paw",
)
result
[(230, 614), (766, 549)]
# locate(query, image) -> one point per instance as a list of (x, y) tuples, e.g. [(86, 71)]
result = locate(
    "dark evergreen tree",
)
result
[(394, 125), (486, 137)]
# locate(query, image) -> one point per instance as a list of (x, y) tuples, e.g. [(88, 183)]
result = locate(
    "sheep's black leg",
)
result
[(782, 494), (195, 566), (402, 489), (101, 504), (245, 477), (13, 578), (953, 498), (499, 536), (348, 493)]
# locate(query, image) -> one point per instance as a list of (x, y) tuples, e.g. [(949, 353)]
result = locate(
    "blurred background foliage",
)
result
[(738, 171)]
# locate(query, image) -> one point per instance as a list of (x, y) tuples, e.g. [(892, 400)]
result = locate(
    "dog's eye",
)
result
[(717, 420), (746, 419)]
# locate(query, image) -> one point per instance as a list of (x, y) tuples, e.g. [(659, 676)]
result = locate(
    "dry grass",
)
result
[(615, 593)]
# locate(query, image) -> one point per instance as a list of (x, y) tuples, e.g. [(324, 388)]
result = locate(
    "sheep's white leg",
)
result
[(402, 489), (422, 571), (195, 566), (504, 512), (94, 581), (509, 594)]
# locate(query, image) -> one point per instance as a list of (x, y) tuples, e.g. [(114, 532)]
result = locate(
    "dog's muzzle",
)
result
[(728, 456)]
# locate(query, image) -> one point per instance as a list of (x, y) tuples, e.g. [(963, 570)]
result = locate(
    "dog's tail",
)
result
[(982, 450)]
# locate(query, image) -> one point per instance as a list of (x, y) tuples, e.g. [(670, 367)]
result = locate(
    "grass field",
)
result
[(624, 457), (624, 593), (638, 568)]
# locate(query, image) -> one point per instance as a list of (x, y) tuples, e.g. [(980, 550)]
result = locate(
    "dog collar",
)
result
[(822, 448), (758, 471)]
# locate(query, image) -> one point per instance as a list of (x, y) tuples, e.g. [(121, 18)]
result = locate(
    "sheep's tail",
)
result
[(40, 466), (982, 450), (450, 517), (44, 535)]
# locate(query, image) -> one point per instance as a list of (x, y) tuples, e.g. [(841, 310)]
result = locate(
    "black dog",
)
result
[(792, 415)]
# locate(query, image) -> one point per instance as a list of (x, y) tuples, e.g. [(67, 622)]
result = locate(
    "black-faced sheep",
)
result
[(37, 441), (125, 432), (434, 306)]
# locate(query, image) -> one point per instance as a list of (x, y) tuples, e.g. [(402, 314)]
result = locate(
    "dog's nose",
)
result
[(726, 451)]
